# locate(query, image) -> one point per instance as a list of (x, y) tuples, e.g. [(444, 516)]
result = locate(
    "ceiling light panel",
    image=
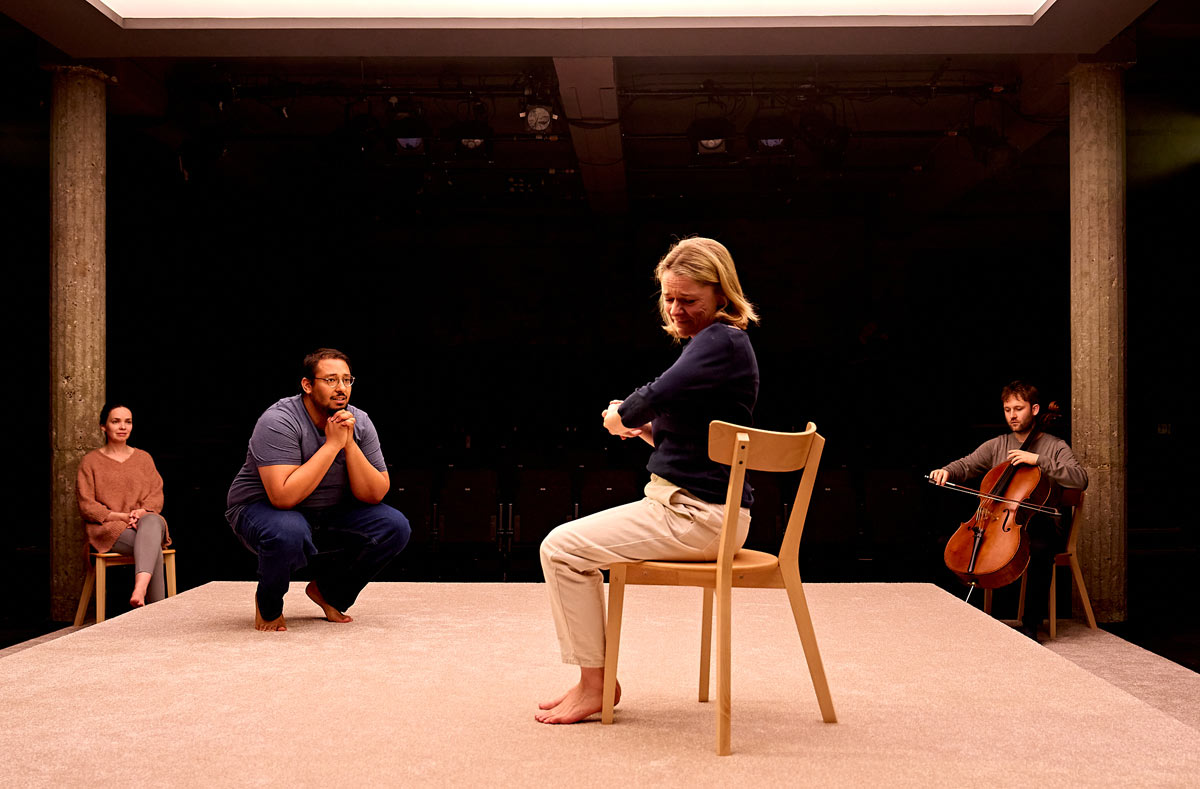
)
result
[(560, 9)]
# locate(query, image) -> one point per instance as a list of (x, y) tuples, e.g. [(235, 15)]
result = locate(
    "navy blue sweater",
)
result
[(716, 377)]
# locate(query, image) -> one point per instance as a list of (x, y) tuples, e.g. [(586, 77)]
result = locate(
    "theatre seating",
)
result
[(97, 578), (1071, 497), (742, 448)]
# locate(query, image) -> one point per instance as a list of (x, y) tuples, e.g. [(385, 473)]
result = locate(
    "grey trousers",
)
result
[(144, 544)]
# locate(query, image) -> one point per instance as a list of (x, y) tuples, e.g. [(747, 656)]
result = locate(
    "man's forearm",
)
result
[(367, 483), (304, 479)]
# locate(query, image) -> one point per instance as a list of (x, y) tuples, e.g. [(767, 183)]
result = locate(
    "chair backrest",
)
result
[(770, 451), (744, 448), (1073, 497)]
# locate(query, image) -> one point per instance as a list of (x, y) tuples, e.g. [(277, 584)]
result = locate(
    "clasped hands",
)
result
[(339, 429), (613, 423), (130, 518)]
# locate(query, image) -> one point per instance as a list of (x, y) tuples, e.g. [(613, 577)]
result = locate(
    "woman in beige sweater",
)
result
[(120, 496)]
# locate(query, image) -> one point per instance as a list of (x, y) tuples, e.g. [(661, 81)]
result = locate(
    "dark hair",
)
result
[(311, 361), (1026, 391), (108, 408)]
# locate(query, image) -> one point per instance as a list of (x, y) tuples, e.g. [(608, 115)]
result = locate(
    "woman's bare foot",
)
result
[(549, 705), (141, 582), (263, 624), (581, 701), (331, 613)]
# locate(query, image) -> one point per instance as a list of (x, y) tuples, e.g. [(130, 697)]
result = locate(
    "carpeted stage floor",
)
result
[(436, 684)]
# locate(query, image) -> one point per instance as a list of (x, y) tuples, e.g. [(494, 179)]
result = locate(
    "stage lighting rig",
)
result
[(710, 136), (472, 139), (407, 128), (538, 117), (770, 135)]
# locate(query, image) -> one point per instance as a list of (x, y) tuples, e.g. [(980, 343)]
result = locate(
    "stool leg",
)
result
[(1087, 604), (89, 583), (1021, 603), (1053, 601), (101, 587), (169, 568)]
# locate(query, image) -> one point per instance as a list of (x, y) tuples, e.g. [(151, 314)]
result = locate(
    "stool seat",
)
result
[(98, 575)]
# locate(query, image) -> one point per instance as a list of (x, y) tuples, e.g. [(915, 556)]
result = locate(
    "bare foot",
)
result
[(581, 701), (331, 613), (263, 624), (141, 582), (549, 705)]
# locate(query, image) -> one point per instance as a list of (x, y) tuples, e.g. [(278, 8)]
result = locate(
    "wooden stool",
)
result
[(97, 578), (1067, 558)]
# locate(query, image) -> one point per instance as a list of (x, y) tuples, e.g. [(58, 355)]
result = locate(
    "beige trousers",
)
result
[(667, 524)]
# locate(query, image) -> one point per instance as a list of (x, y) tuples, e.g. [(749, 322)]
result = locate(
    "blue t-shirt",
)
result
[(286, 436), (716, 377)]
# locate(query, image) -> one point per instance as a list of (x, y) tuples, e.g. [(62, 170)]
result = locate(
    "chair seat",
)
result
[(745, 562)]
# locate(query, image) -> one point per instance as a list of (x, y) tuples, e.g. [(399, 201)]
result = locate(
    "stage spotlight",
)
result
[(472, 139), (710, 136), (770, 135), (410, 135), (538, 117)]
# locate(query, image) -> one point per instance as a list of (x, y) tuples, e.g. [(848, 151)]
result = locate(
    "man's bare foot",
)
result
[(581, 701), (141, 582), (331, 613), (263, 624)]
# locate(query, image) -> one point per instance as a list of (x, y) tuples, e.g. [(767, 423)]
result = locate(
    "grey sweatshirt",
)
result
[(1055, 459)]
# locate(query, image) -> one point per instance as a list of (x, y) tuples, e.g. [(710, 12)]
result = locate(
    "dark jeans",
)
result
[(1046, 538), (361, 539)]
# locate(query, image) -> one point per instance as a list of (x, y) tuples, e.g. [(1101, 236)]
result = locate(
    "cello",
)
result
[(992, 548)]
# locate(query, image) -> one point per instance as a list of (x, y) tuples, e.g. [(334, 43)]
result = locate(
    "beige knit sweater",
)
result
[(104, 486)]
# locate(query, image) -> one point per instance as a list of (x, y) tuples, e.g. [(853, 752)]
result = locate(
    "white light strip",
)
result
[(560, 9)]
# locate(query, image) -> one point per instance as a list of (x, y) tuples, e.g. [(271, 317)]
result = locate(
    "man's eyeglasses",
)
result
[(333, 381)]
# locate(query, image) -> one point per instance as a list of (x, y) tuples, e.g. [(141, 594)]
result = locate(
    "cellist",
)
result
[(1047, 535)]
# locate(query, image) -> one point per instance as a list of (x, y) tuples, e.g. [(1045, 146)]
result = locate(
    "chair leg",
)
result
[(1021, 601), (987, 601), (89, 584), (101, 587), (1053, 602), (706, 642), (1077, 574), (808, 638), (169, 571), (612, 639), (723, 594)]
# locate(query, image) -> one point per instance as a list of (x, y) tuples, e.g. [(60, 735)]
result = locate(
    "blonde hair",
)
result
[(707, 262)]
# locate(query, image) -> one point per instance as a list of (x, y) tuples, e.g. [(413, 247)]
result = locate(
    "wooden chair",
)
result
[(1072, 497), (97, 578), (741, 448)]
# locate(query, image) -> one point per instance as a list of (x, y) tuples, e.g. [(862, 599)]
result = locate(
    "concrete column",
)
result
[(1098, 322), (77, 312)]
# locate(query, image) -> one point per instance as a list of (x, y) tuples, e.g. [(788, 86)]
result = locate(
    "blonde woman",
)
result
[(715, 377), (120, 495)]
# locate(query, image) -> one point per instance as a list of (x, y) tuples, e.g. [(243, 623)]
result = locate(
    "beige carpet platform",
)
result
[(436, 684)]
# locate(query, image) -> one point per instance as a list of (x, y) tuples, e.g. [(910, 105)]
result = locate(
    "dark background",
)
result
[(491, 314)]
